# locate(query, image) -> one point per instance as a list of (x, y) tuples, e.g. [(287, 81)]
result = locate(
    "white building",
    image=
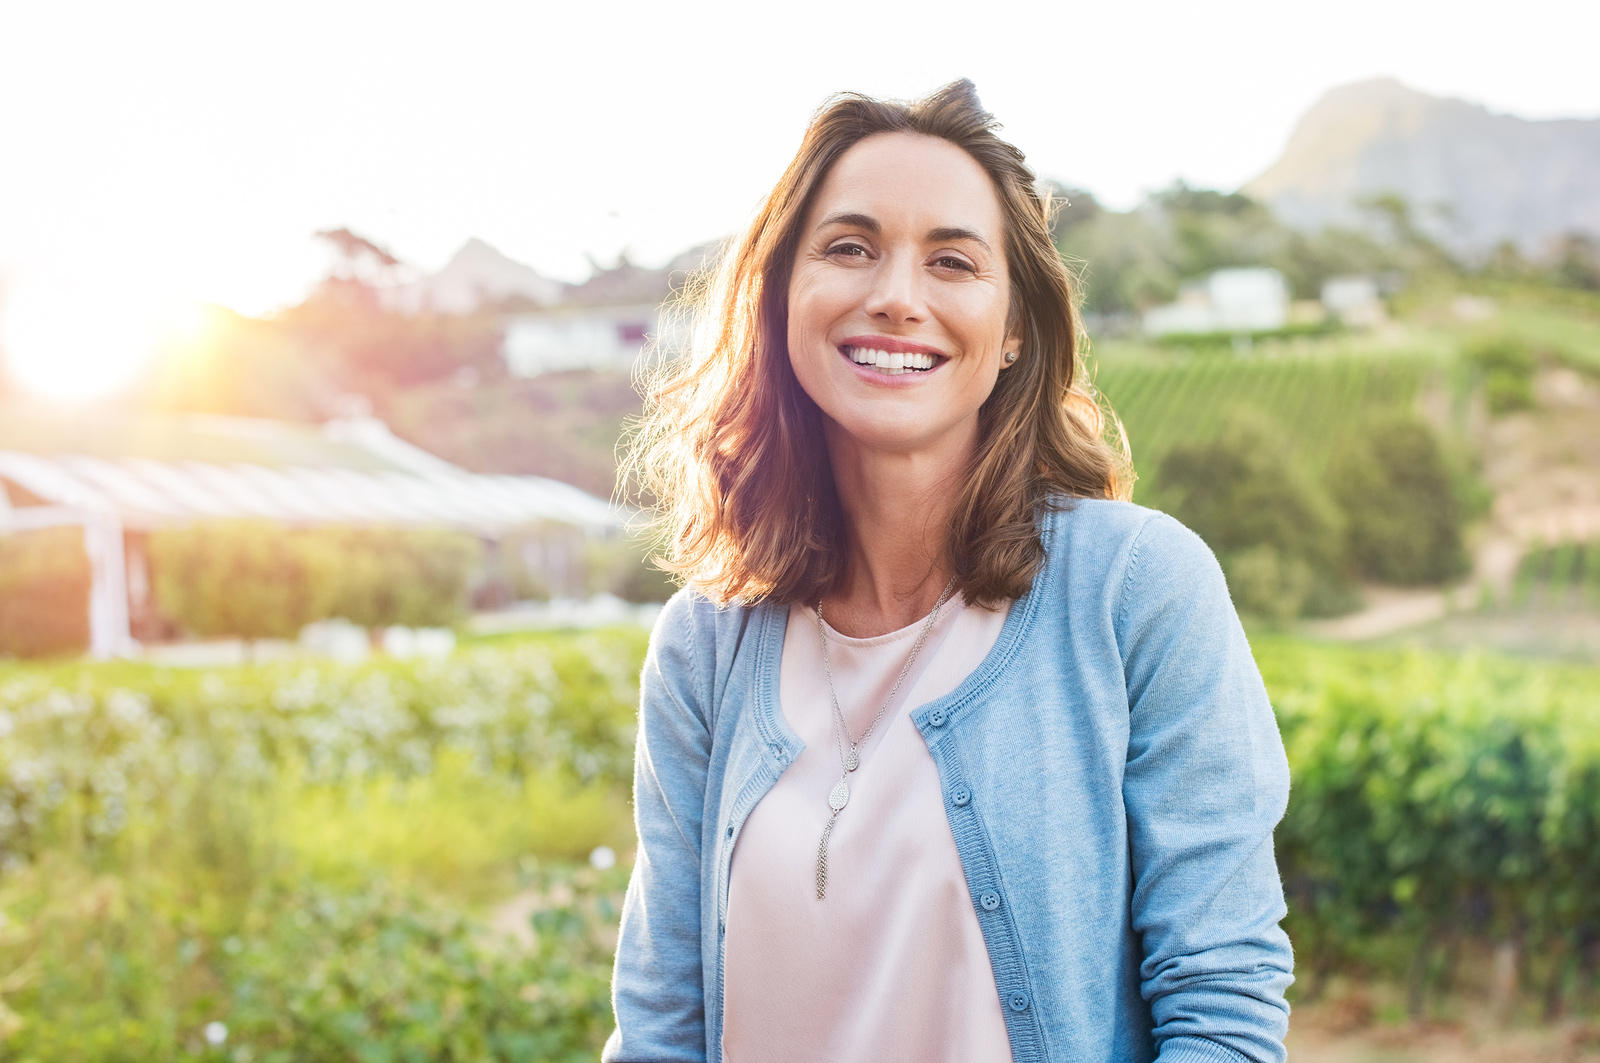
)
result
[(578, 337), (1254, 299), (119, 478), (605, 323), (1354, 300)]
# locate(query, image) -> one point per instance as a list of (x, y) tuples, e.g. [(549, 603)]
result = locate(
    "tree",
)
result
[(1279, 538), (1404, 514)]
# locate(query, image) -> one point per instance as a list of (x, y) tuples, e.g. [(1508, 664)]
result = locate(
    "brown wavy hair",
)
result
[(730, 447)]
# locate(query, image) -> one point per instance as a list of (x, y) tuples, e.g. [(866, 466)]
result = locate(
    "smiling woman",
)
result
[(945, 752)]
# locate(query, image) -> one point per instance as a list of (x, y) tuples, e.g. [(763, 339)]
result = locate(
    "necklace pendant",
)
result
[(840, 796), (853, 761)]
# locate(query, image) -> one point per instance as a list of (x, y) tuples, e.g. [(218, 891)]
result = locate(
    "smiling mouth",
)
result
[(892, 363)]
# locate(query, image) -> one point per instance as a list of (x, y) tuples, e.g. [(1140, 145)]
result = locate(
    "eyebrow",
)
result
[(939, 236), (870, 224)]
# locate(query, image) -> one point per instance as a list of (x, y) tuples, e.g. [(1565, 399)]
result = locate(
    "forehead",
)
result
[(907, 179)]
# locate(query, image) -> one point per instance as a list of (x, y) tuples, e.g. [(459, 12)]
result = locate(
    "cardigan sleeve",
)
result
[(1205, 784), (657, 989)]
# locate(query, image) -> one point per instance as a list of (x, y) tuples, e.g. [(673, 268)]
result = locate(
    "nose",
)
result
[(896, 293)]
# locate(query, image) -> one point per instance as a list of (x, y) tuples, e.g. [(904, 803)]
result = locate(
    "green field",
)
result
[(345, 862), (1559, 578), (1316, 398)]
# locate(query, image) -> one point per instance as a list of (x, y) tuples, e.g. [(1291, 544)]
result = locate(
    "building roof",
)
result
[(148, 470)]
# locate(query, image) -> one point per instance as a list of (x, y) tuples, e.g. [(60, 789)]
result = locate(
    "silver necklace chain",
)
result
[(849, 762)]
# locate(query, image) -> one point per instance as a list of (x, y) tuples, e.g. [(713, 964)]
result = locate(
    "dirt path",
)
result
[(1543, 466), (1346, 1031)]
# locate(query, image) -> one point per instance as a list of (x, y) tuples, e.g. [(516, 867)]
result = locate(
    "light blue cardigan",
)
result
[(1112, 774)]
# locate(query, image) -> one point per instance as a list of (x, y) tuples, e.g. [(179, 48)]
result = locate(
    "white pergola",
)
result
[(400, 484)]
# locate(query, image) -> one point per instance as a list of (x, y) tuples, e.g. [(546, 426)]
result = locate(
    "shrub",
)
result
[(1435, 797), (1278, 537), (256, 579), (1404, 514), (271, 847), (1506, 364), (418, 578), (558, 561), (253, 579), (349, 976), (44, 593), (623, 567)]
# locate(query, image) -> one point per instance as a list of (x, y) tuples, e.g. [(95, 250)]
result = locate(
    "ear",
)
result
[(1013, 345)]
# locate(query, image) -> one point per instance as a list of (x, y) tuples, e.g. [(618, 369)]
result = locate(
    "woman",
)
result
[(945, 754)]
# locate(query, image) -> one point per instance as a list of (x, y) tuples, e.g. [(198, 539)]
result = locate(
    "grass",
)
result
[(311, 855), (1318, 395)]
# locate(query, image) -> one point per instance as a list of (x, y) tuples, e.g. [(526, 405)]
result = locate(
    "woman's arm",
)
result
[(657, 988), (1206, 783)]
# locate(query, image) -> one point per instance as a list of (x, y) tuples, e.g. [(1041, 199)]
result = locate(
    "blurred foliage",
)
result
[(1403, 505), (1278, 537), (1561, 577), (1573, 264), (1506, 364), (623, 567), (44, 593), (559, 561), (1268, 459), (1316, 399), (122, 970), (258, 579), (335, 975), (1134, 260), (1438, 798), (299, 852)]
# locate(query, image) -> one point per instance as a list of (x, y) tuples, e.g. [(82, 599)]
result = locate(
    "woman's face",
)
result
[(899, 299)]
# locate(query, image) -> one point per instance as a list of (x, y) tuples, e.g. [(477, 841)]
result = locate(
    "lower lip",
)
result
[(896, 380)]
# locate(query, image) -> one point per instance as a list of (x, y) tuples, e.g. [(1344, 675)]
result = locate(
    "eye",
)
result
[(848, 248), (954, 262)]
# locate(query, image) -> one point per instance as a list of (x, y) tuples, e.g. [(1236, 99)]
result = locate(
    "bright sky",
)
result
[(160, 153)]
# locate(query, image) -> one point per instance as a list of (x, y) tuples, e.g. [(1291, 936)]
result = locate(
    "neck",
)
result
[(897, 507)]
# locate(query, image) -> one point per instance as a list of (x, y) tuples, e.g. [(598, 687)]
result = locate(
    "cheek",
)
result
[(813, 307)]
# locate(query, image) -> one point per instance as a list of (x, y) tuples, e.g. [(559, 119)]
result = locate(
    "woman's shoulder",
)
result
[(1108, 526), (1116, 550), (692, 622), (696, 640)]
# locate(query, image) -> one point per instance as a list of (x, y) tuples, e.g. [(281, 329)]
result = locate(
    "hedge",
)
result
[(257, 579), (1439, 798), (44, 593)]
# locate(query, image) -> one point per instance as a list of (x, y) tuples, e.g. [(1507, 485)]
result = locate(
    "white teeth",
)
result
[(891, 363)]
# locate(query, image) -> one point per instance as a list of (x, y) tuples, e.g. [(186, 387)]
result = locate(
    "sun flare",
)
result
[(62, 343)]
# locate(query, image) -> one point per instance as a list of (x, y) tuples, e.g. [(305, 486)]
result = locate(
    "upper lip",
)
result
[(890, 344)]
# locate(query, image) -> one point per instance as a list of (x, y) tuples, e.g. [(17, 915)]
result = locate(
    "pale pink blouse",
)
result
[(890, 965)]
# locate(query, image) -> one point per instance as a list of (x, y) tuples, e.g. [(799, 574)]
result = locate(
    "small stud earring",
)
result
[(1011, 356)]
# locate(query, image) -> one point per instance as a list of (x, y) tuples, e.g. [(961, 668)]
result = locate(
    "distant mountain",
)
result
[(1473, 178), (476, 275), (479, 276)]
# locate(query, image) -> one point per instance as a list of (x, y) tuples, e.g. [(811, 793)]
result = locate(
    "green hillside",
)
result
[(1317, 399)]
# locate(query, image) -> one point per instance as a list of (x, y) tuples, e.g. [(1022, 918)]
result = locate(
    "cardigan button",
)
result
[(1018, 1001), (960, 797), (990, 900), (936, 717), (730, 830)]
